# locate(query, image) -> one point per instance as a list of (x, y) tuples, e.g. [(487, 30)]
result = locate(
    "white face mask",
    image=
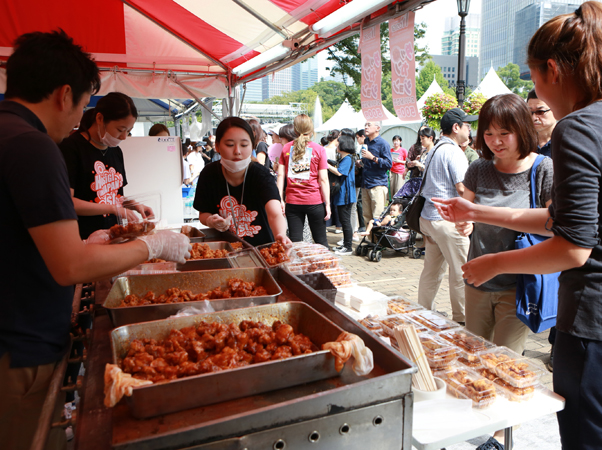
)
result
[(108, 139), (235, 166)]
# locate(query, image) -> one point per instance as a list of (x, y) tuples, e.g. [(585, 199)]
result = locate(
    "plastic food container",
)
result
[(321, 261), (297, 267), (338, 277), (439, 352), (138, 217), (506, 390), (433, 321), (390, 322), (399, 305), (470, 344), (464, 383), (311, 250), (274, 254), (511, 367), (372, 323)]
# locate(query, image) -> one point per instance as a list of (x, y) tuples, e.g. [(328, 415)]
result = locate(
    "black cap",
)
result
[(455, 115)]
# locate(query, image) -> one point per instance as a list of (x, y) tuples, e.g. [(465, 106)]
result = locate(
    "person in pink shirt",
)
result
[(399, 156), (275, 149), (304, 165)]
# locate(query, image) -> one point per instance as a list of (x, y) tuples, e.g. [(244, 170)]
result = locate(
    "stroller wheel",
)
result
[(417, 253), (359, 251), (378, 255), (371, 255)]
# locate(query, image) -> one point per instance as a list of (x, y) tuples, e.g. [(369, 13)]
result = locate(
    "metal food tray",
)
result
[(197, 282), (206, 389), (245, 257)]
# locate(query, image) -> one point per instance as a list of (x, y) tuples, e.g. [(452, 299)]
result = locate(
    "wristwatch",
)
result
[(375, 159)]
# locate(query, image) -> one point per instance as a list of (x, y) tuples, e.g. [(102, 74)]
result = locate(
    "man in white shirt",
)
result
[(446, 166)]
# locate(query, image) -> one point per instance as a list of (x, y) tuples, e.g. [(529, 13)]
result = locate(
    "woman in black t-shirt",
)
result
[(95, 163), (239, 195)]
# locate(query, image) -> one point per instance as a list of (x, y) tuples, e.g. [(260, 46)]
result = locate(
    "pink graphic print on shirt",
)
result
[(106, 184), (243, 217)]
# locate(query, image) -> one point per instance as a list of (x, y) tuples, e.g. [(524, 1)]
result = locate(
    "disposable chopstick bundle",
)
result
[(411, 348)]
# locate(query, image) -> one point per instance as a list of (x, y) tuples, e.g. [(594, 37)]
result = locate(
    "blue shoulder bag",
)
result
[(536, 295)]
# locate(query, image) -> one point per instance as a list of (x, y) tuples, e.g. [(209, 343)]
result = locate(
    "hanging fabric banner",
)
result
[(371, 74), (403, 67)]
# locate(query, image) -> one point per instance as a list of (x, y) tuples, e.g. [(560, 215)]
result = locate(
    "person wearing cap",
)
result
[(446, 166), (275, 150), (376, 161)]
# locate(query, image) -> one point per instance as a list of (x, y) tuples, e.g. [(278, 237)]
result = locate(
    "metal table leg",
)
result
[(508, 438)]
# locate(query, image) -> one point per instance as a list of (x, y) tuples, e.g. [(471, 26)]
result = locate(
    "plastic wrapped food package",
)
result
[(438, 352), (511, 367), (321, 261), (433, 321), (399, 305), (506, 390), (372, 323), (313, 250), (465, 383), (338, 277), (470, 344), (297, 267), (390, 322)]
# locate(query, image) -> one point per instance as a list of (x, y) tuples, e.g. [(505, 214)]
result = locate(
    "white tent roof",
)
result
[(347, 117), (434, 88), (343, 118), (492, 85)]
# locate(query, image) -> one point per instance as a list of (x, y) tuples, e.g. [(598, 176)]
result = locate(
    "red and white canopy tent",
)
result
[(193, 48)]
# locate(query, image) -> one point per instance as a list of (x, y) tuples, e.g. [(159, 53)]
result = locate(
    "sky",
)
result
[(433, 15)]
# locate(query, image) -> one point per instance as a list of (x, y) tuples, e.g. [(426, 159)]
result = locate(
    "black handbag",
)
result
[(414, 209), (335, 181)]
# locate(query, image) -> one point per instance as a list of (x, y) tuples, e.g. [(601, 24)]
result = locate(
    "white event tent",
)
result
[(492, 85)]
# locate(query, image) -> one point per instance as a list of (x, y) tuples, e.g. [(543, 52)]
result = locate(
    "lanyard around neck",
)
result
[(242, 196)]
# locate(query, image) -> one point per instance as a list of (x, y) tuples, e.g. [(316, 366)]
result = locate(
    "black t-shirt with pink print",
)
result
[(95, 176), (260, 187)]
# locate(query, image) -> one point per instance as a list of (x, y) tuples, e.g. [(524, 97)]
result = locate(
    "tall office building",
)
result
[(528, 20), (295, 78), (451, 35), (498, 22), (449, 68), (254, 91)]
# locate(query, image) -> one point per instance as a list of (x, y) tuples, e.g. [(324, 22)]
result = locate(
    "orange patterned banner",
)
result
[(403, 67), (371, 74)]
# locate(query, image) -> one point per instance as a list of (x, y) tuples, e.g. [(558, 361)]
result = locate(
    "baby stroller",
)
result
[(395, 236)]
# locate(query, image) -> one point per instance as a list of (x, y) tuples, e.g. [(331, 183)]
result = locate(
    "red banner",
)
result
[(403, 67), (371, 74)]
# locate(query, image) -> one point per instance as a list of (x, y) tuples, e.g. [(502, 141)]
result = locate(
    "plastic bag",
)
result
[(348, 345), (193, 311)]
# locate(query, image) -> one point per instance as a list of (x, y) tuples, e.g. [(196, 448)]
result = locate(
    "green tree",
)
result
[(347, 62), (425, 78), (510, 75)]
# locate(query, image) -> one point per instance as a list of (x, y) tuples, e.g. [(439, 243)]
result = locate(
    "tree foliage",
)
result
[(332, 95), (425, 78), (510, 75), (347, 61)]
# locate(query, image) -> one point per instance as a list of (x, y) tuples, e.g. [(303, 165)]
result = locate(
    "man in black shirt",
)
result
[(49, 81)]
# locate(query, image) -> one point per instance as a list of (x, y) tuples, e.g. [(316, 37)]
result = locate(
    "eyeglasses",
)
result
[(467, 124), (540, 112)]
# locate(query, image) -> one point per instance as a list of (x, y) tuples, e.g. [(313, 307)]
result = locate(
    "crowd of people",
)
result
[(477, 199)]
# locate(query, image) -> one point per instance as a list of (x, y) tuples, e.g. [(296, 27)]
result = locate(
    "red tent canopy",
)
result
[(165, 48)]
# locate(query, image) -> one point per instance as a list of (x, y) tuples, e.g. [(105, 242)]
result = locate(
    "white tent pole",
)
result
[(175, 80)]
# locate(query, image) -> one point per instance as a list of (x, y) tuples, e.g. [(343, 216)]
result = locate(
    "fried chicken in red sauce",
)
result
[(131, 230), (274, 254), (212, 347), (236, 288), (202, 251)]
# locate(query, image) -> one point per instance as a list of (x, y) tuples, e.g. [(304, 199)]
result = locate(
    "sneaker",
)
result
[(356, 238), (341, 242), (336, 249), (344, 251), (337, 231)]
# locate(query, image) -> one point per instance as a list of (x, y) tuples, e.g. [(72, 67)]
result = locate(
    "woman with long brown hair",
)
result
[(304, 165), (565, 58)]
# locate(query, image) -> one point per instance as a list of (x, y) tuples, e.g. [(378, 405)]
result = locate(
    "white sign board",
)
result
[(154, 164)]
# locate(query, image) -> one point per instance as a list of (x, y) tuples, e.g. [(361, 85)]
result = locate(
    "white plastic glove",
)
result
[(99, 237), (168, 245), (218, 222)]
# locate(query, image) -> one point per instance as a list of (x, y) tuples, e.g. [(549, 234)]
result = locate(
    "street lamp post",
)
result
[(463, 6)]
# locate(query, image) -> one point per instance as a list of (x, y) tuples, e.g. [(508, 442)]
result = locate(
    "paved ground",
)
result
[(397, 274)]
